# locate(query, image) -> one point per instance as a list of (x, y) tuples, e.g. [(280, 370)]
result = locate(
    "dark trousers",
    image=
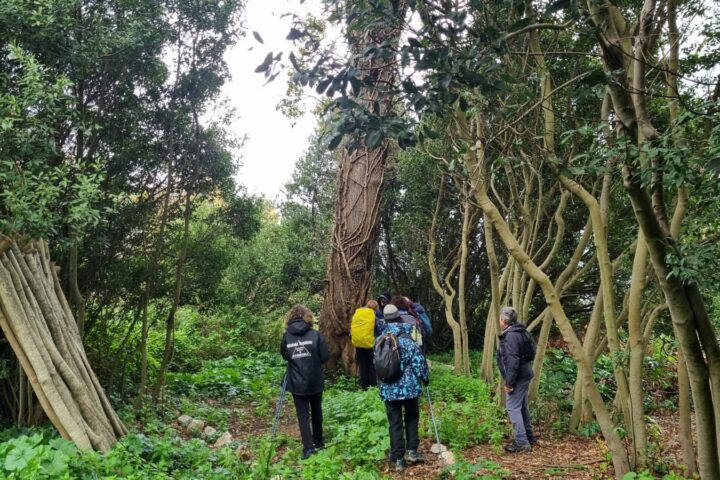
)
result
[(410, 439), (368, 377), (303, 404)]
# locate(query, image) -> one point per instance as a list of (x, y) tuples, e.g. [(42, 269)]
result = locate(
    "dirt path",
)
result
[(569, 457)]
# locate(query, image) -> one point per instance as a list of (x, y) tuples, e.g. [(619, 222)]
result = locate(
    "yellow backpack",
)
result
[(362, 328)]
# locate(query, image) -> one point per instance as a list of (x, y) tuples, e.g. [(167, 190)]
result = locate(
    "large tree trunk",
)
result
[(37, 322), (359, 191)]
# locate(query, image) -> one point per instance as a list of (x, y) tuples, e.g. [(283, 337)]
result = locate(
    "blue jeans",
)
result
[(516, 403)]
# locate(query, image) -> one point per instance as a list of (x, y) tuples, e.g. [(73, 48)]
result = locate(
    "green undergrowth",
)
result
[(464, 410), (478, 470), (40, 454), (355, 423), (251, 377)]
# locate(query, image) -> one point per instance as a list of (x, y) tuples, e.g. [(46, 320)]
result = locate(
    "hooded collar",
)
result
[(298, 326)]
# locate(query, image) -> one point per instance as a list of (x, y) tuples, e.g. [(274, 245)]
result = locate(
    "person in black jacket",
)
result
[(517, 372), (305, 351)]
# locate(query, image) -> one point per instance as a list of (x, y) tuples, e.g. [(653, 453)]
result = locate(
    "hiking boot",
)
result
[(398, 465), (532, 441), (413, 456), (518, 447), (307, 453)]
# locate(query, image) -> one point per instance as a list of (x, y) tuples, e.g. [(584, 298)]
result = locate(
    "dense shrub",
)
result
[(256, 376), (464, 410)]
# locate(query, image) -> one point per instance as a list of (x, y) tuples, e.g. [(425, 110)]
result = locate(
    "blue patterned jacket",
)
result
[(415, 369)]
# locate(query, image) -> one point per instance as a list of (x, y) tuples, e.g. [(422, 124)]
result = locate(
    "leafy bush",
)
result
[(137, 456), (356, 425), (36, 456), (464, 410), (646, 475), (255, 377)]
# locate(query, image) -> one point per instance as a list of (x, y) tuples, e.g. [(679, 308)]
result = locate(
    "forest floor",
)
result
[(568, 457)]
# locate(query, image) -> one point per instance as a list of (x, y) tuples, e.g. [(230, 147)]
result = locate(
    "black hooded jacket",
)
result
[(510, 355), (305, 351)]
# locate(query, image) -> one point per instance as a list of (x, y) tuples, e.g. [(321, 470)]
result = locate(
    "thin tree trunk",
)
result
[(170, 320), (77, 296), (443, 289), (462, 313), (491, 324), (474, 161), (685, 434), (637, 351)]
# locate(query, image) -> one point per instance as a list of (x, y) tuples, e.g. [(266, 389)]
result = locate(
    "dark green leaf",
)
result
[(464, 104), (557, 6), (294, 34), (322, 86), (373, 138), (355, 83), (520, 24), (263, 67), (335, 141), (294, 61), (714, 164)]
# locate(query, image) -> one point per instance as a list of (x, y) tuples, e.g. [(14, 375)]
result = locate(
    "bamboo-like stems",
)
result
[(36, 320)]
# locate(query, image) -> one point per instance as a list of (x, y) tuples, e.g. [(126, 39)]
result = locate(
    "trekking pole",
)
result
[(279, 407), (437, 435), (276, 421)]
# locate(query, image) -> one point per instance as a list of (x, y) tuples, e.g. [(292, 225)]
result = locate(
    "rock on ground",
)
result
[(184, 420), (437, 448), (243, 453), (209, 431), (224, 439), (447, 457), (195, 426)]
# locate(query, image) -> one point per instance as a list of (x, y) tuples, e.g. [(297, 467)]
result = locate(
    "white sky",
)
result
[(273, 145)]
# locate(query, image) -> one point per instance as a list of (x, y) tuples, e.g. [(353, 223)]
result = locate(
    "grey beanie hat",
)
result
[(390, 312)]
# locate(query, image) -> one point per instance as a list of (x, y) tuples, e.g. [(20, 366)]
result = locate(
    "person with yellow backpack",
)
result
[(362, 332)]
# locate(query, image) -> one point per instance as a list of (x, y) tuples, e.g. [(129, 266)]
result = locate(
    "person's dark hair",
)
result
[(401, 303), (384, 298), (509, 314), (300, 311), (411, 308)]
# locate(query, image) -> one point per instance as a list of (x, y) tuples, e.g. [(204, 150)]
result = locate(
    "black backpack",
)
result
[(387, 358), (529, 347)]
